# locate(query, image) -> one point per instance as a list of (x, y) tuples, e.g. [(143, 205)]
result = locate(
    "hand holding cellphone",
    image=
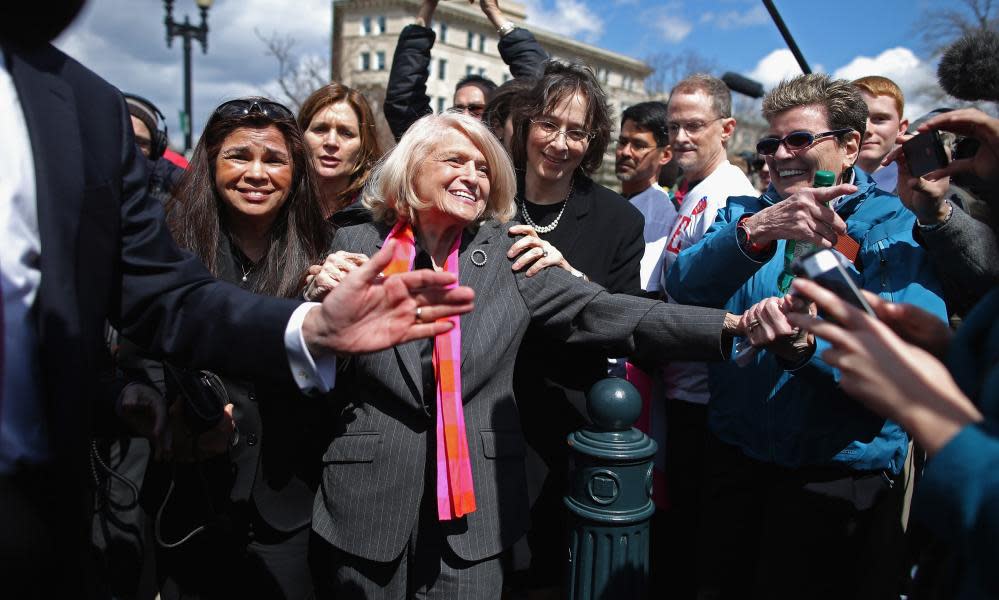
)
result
[(925, 153), (824, 268)]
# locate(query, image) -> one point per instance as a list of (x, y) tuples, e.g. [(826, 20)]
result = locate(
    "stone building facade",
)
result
[(365, 34)]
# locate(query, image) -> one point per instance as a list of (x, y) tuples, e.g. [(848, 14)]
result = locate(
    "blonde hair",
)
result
[(389, 193)]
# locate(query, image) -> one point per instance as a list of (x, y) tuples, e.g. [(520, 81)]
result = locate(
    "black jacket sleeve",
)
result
[(522, 53), (406, 98)]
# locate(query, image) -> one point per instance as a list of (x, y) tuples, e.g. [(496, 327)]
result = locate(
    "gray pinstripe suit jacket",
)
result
[(375, 469)]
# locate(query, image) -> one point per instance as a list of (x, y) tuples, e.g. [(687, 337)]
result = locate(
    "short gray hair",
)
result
[(845, 107), (713, 88), (390, 194)]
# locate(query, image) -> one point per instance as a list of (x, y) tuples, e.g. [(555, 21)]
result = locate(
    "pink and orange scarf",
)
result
[(455, 493)]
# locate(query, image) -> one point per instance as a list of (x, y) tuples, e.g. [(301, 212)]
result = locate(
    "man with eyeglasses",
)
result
[(641, 152), (802, 486), (406, 98), (698, 124)]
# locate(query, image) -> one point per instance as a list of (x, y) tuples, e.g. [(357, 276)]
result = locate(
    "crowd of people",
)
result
[(301, 366)]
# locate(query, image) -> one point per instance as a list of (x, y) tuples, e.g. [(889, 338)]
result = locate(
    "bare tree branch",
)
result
[(939, 27), (297, 77)]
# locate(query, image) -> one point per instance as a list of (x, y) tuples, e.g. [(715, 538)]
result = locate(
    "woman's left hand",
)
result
[(887, 374), (534, 251)]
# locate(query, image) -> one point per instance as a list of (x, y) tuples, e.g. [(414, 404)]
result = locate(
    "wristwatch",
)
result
[(577, 273), (506, 28), (747, 244)]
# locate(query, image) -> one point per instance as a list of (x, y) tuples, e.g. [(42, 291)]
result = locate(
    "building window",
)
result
[(469, 70), (366, 26), (365, 61), (443, 32), (482, 43), (442, 69), (381, 24), (380, 60), (470, 44), (482, 71), (440, 104)]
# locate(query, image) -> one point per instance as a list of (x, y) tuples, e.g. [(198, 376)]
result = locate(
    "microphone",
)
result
[(969, 68), (743, 85)]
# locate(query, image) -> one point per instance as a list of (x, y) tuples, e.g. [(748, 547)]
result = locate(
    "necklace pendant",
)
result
[(244, 277)]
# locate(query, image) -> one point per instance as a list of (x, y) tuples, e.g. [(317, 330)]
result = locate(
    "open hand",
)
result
[(368, 312)]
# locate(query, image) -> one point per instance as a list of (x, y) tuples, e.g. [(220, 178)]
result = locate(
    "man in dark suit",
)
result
[(84, 243)]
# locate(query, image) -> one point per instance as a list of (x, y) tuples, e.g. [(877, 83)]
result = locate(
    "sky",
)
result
[(124, 41)]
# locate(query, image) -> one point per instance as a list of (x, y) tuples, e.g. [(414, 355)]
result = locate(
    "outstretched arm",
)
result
[(369, 312)]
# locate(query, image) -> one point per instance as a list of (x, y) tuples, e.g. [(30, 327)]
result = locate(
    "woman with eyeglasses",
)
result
[(232, 510), (340, 129), (561, 129)]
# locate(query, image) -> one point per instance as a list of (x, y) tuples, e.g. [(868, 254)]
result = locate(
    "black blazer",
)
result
[(376, 467), (600, 234), (106, 254)]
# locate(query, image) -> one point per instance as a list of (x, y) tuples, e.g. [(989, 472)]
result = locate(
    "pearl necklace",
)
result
[(551, 226)]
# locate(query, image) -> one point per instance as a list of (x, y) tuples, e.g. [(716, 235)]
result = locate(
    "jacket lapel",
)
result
[(577, 209), (480, 259)]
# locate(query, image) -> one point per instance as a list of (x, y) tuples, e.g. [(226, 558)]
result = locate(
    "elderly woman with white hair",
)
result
[(423, 486)]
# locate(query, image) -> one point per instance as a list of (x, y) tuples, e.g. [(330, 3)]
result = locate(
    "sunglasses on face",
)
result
[(243, 107), (474, 110), (796, 140)]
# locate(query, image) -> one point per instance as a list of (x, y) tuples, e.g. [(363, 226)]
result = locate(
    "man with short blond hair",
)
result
[(885, 107)]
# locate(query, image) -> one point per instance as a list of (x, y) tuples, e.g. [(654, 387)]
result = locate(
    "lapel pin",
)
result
[(479, 257)]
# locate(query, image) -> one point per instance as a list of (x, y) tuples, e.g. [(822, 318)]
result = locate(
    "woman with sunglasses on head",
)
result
[(340, 129), (236, 502), (561, 129)]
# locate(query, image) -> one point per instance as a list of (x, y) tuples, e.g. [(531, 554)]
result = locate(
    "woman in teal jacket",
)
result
[(803, 419), (802, 494), (893, 365)]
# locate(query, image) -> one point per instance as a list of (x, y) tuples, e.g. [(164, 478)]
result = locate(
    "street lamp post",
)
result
[(187, 31)]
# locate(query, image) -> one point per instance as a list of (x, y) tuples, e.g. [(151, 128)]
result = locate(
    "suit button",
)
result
[(251, 439), (252, 397)]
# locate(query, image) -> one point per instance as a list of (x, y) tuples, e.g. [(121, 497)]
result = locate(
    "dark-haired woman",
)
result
[(247, 208), (340, 129), (561, 129)]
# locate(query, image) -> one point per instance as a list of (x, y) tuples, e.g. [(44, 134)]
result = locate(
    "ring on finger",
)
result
[(754, 324), (419, 314)]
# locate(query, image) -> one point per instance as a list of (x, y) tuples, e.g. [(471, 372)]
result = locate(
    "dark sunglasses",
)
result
[(242, 107), (796, 140)]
